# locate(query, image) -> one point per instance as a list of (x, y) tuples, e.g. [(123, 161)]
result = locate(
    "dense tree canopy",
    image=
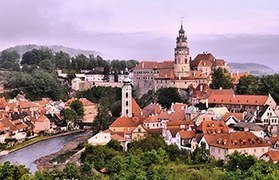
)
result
[(9, 60), (221, 80), (167, 96), (35, 56), (77, 106), (37, 85), (248, 85)]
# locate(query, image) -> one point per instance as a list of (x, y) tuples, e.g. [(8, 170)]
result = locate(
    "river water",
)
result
[(28, 155)]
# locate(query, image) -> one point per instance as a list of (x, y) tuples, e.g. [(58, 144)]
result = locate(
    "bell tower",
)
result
[(126, 96), (181, 55)]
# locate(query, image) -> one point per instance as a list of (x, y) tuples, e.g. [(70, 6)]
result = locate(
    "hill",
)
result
[(21, 49), (253, 68)]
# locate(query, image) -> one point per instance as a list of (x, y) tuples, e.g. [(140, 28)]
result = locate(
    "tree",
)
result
[(167, 96), (77, 106), (35, 56), (9, 60), (114, 144), (103, 120), (248, 85), (147, 98), (47, 65), (221, 80), (239, 161), (9, 171), (69, 114), (153, 141), (62, 60), (200, 155)]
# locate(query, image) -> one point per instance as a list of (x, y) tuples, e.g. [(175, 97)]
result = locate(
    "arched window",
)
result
[(127, 103), (127, 111), (127, 95)]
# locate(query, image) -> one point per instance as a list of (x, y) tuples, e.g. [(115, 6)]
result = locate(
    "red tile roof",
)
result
[(135, 108), (273, 155), (124, 122), (238, 99), (3, 103), (117, 137), (155, 65), (187, 134), (235, 140), (212, 127)]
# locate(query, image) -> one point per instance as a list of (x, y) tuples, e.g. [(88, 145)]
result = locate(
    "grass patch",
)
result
[(28, 142)]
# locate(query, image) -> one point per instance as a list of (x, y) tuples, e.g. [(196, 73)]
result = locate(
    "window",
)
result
[(127, 95), (127, 103), (127, 111), (139, 130)]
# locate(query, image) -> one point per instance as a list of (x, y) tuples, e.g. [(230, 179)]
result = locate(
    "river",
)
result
[(28, 155)]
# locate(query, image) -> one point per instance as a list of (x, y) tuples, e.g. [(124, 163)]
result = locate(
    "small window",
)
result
[(127, 95), (127, 103)]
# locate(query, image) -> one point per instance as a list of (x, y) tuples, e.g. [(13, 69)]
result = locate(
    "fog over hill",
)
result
[(253, 68), (21, 49)]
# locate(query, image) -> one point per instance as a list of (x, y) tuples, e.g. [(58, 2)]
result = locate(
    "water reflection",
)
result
[(28, 155)]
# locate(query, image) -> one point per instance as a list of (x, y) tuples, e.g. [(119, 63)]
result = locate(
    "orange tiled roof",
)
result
[(117, 137), (3, 103), (165, 74), (235, 140), (202, 57), (273, 155), (124, 122), (26, 104), (155, 65), (187, 134), (238, 99), (212, 127), (135, 108)]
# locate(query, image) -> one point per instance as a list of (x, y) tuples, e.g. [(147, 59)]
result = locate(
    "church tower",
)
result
[(181, 55), (126, 96)]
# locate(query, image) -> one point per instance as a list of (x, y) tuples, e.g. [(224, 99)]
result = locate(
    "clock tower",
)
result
[(181, 55)]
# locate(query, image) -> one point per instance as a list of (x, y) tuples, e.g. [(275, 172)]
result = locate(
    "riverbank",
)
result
[(46, 162), (38, 139)]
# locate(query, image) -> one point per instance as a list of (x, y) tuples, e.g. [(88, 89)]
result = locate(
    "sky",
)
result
[(235, 30)]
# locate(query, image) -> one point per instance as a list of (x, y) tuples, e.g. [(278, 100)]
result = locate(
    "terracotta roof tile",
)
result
[(235, 140), (187, 134), (273, 155), (213, 127), (155, 65), (124, 122)]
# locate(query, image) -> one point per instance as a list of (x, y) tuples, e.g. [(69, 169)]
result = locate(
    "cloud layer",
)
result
[(239, 31)]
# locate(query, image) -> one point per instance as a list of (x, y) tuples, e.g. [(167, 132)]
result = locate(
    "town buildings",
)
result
[(223, 128), (180, 73)]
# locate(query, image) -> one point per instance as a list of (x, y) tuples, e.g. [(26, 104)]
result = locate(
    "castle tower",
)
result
[(126, 96), (181, 55)]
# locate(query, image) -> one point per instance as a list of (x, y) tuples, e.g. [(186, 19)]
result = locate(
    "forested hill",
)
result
[(253, 68), (21, 49)]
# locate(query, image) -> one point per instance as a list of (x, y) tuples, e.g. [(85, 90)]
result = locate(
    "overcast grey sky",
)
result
[(237, 30)]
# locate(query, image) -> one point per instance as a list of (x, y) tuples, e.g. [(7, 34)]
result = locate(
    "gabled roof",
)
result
[(84, 101), (135, 108), (238, 99), (151, 119), (202, 57), (187, 134), (155, 65), (273, 155), (261, 113), (3, 103), (213, 127), (235, 140), (117, 137), (124, 122)]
